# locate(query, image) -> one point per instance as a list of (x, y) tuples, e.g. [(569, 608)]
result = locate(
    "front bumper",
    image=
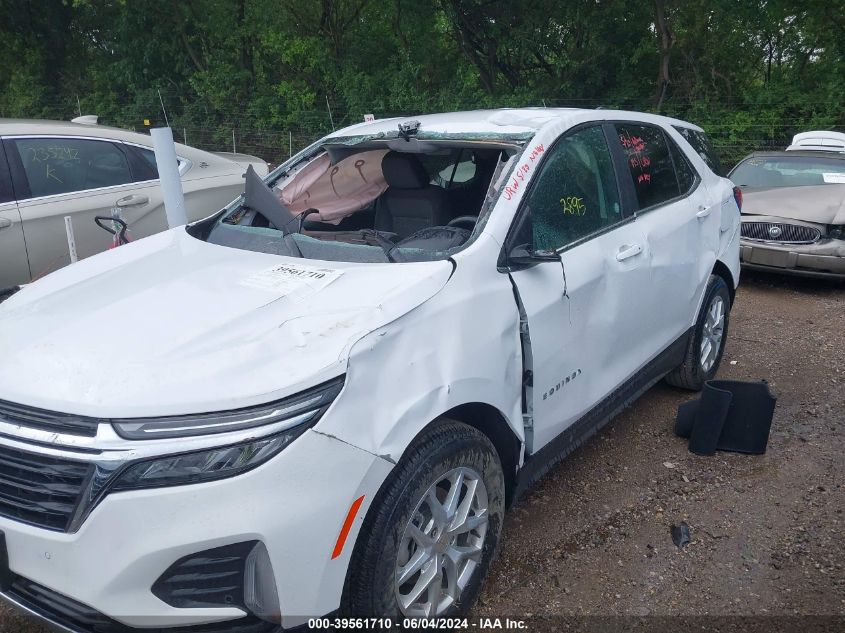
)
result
[(825, 258), (295, 504)]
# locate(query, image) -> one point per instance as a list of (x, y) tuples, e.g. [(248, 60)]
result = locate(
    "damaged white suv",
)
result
[(322, 398)]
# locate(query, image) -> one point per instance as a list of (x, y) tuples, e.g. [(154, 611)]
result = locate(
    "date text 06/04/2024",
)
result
[(431, 624)]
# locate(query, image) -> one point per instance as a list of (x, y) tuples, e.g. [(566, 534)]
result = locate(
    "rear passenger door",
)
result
[(679, 223), (56, 177)]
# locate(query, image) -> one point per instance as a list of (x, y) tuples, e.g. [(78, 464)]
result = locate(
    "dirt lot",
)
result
[(592, 538), (767, 532)]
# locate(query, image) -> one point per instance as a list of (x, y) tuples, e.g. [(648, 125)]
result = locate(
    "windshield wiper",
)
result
[(386, 245)]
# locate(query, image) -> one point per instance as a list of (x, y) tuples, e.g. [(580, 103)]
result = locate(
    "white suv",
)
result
[(322, 398)]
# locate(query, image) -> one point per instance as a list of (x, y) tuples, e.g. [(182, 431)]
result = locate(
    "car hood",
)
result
[(824, 204), (173, 325)]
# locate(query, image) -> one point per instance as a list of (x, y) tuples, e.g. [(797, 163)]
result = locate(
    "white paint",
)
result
[(168, 174), (209, 328), (71, 240)]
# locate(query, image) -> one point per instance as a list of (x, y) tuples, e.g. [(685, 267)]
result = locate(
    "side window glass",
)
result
[(64, 165), (685, 171), (649, 163), (459, 173), (701, 143), (144, 165), (150, 159), (575, 193)]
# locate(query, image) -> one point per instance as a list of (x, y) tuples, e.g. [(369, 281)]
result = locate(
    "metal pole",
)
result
[(71, 241), (331, 119), (78, 105), (163, 109), (234, 148), (168, 175), (290, 144), (184, 136)]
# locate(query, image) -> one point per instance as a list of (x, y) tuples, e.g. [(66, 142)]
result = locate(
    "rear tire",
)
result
[(707, 343), (407, 546)]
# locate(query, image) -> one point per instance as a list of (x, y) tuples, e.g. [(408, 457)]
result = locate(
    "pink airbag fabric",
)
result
[(336, 191)]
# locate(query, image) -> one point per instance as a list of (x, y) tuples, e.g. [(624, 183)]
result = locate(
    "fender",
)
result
[(406, 374)]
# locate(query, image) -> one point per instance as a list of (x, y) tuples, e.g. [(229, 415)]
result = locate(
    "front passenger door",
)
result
[(584, 309)]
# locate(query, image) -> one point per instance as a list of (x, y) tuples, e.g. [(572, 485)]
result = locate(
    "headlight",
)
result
[(300, 409), (217, 463), (836, 232)]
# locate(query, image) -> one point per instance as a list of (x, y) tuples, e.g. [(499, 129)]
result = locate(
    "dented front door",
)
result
[(585, 313)]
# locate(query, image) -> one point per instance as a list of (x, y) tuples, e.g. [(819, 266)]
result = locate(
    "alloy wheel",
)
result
[(442, 544), (711, 336)]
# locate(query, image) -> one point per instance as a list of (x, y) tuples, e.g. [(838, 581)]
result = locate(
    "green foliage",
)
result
[(751, 72)]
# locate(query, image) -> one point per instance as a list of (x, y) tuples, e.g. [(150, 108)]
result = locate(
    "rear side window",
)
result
[(701, 144), (55, 166), (649, 163), (686, 172)]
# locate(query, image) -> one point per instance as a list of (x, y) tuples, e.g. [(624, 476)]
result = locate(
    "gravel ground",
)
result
[(593, 537)]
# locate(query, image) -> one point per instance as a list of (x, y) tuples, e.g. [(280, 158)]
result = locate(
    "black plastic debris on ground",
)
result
[(730, 415), (680, 534)]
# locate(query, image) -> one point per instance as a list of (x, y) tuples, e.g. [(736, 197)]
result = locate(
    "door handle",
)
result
[(5, 223), (703, 212), (132, 201), (627, 251)]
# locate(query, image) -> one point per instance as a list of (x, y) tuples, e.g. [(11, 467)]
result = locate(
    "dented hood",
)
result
[(173, 325), (824, 204)]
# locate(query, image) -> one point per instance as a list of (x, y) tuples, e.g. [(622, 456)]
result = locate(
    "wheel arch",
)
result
[(491, 422), (720, 269)]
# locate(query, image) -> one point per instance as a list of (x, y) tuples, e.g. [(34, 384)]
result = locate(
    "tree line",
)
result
[(753, 71)]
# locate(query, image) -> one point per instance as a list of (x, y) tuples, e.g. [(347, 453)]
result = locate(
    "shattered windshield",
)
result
[(374, 201)]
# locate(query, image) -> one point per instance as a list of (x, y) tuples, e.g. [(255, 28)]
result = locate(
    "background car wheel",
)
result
[(707, 343), (428, 540)]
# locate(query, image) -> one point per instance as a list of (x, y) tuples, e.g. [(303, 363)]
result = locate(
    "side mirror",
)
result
[(523, 255)]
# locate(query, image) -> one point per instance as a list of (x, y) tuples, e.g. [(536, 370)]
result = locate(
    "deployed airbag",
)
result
[(336, 191)]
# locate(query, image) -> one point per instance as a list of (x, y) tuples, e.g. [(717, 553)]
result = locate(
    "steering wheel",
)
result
[(464, 221)]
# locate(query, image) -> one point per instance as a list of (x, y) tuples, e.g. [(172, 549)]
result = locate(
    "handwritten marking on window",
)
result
[(51, 173), (637, 158), (573, 206), (522, 172), (53, 152)]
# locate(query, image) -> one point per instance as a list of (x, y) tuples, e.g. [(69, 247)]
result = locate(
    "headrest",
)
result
[(403, 171)]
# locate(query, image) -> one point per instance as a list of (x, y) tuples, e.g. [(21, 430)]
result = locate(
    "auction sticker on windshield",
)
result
[(287, 279)]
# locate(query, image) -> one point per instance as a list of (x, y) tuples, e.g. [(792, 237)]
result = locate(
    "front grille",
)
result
[(74, 615), (38, 489), (780, 232), (31, 417)]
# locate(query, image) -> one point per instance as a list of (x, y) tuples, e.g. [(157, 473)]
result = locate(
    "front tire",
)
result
[(427, 543), (704, 352)]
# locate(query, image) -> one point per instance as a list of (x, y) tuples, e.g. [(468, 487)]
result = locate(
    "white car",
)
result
[(322, 399), (53, 169), (818, 140)]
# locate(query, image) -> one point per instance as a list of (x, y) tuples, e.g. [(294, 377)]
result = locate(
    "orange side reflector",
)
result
[(347, 525)]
